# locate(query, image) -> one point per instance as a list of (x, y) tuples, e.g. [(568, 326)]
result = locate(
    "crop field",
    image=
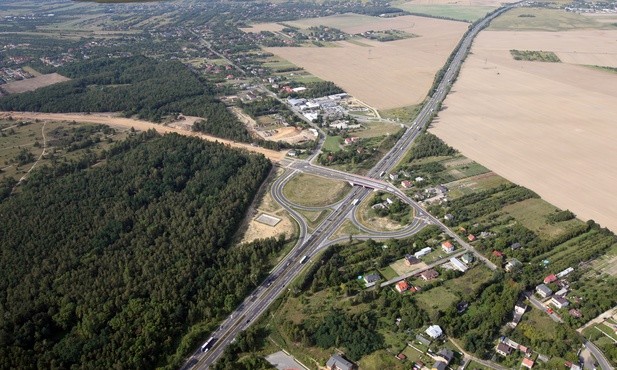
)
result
[(314, 191), (460, 12), (546, 126), (540, 19), (384, 75), (34, 83)]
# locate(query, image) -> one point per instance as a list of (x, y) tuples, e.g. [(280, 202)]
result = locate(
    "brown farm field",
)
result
[(384, 75), (34, 83), (547, 126)]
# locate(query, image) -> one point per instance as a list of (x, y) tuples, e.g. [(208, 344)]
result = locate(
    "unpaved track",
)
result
[(112, 120)]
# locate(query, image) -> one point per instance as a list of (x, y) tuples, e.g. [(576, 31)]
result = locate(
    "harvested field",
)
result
[(112, 120), (546, 126), (461, 3), (467, 13), (256, 28), (541, 19), (34, 83), (384, 75)]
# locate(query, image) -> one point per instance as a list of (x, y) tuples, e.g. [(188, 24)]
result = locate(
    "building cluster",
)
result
[(328, 107), (13, 74)]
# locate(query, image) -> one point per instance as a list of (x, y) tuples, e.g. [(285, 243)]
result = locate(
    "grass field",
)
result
[(533, 213), (436, 299), (463, 13), (473, 365), (380, 360), (346, 229), (388, 273), (471, 280), (537, 324), (458, 188), (378, 129), (314, 191), (332, 144), (34, 83), (538, 19), (535, 56)]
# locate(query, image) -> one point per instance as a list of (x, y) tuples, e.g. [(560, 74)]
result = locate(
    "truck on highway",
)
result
[(355, 201), (208, 344), (303, 259)]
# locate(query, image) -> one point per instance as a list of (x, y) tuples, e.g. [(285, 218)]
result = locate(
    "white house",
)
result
[(434, 331)]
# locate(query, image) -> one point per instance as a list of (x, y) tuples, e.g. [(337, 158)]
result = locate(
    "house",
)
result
[(543, 291), (513, 265), (337, 362), (576, 367), (520, 308), (401, 357), (467, 258), (401, 286), (515, 246), (445, 355), (471, 237), (564, 272), (429, 274), (527, 362), (393, 176), (458, 264), (503, 349), (550, 279), (411, 260), (298, 89), (419, 179), (497, 253), (559, 302), (406, 184), (447, 246), (422, 252), (525, 350), (562, 292), (434, 331), (439, 365), (371, 278), (575, 313)]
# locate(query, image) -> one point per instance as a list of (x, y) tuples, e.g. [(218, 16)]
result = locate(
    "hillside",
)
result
[(113, 265)]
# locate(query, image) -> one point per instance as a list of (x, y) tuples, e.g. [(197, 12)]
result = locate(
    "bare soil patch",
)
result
[(546, 126), (258, 27), (34, 83), (383, 75), (113, 120)]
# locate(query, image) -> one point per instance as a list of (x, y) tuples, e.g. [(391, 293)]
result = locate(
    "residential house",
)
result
[(525, 350), (513, 265), (520, 308), (447, 246), (393, 176), (497, 253), (406, 184), (550, 279), (543, 291), (564, 272), (411, 260), (458, 264), (445, 355), (527, 362), (562, 292), (434, 331), (429, 274), (576, 367), (401, 286), (467, 258), (423, 340), (515, 246), (575, 313), (471, 237), (559, 302), (503, 349), (439, 366), (337, 362), (401, 357), (371, 278)]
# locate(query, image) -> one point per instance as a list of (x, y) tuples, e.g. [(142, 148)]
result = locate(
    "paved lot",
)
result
[(283, 361)]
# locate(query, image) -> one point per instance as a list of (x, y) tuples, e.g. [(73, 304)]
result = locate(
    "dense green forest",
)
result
[(127, 264), (140, 86), (429, 145)]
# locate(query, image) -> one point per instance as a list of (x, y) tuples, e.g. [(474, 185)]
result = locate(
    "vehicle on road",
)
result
[(355, 201), (208, 344), (303, 259)]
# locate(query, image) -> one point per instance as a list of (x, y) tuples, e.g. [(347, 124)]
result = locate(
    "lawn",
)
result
[(468, 282), (378, 129), (463, 13), (459, 188), (403, 115), (332, 144), (476, 366), (532, 213), (388, 273), (314, 191), (314, 218), (346, 229), (380, 360), (537, 325), (436, 299)]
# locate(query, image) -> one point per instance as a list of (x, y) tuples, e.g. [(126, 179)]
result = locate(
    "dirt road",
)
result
[(112, 120)]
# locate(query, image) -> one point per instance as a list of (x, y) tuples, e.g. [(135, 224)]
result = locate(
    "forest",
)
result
[(429, 145), (129, 263), (137, 86)]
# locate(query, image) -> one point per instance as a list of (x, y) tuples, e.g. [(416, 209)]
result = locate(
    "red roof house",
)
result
[(550, 279), (527, 362), (401, 286)]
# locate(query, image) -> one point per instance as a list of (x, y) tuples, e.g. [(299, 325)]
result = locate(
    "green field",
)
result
[(532, 213), (332, 144), (537, 19), (463, 13), (388, 272), (314, 191), (378, 129), (403, 115), (459, 188), (436, 299)]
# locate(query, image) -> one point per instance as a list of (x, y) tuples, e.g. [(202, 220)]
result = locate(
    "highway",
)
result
[(311, 243)]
